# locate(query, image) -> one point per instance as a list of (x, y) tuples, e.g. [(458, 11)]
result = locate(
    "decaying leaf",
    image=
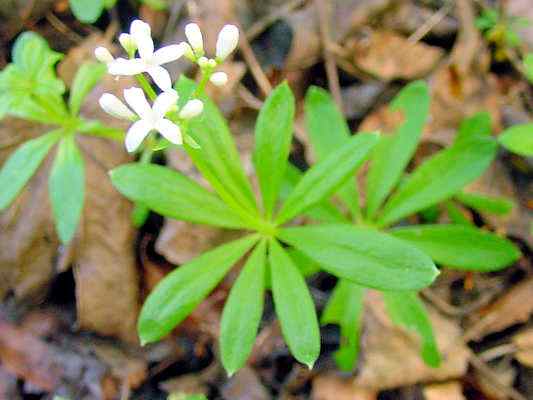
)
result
[(524, 346), (332, 387), (444, 391), (387, 56)]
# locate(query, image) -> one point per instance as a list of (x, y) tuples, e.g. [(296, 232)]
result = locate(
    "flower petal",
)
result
[(194, 36), (103, 55), (141, 33), (169, 130), (227, 41), (168, 53), (164, 102), (136, 134), (122, 66), (112, 105), (137, 100), (160, 76), (219, 78)]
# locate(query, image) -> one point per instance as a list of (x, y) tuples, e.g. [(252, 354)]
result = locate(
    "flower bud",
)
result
[(192, 109), (103, 55), (127, 42), (194, 36), (219, 78), (203, 62), (113, 106), (187, 51), (227, 41)]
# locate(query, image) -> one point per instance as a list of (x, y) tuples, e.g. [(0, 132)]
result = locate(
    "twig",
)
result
[(255, 68), (261, 25), (175, 11), (330, 63), (427, 26), (61, 27), (497, 352), (494, 379)]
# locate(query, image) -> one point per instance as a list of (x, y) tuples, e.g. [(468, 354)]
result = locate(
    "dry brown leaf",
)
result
[(390, 356), (29, 358), (524, 346), (389, 56), (444, 391), (514, 307), (245, 385), (332, 387)]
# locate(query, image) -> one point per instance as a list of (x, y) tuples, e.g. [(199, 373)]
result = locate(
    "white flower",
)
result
[(194, 36), (103, 55), (113, 106), (219, 78), (151, 118), (191, 109), (149, 61), (227, 41)]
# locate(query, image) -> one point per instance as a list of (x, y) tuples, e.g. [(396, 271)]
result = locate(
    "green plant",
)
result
[(518, 139), (528, 67), (501, 30), (360, 254), (89, 11), (30, 89), (391, 197)]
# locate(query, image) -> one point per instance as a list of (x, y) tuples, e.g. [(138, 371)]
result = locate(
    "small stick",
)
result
[(261, 25), (330, 63), (253, 64), (61, 27), (427, 26)]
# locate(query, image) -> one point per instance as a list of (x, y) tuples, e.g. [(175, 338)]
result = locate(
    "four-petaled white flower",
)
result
[(150, 118), (149, 61)]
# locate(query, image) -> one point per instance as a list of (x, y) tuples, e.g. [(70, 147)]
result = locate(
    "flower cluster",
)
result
[(150, 61)]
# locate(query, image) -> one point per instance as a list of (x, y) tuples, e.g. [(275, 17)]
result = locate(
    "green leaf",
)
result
[(66, 187), (173, 195), (85, 80), (485, 204), (363, 255), (22, 164), (217, 158), (178, 294), (479, 124), (393, 153), (328, 131), (322, 180), (273, 135), (518, 139), (440, 177), (242, 312), (96, 128), (455, 214), (406, 309), (294, 307), (323, 211), (528, 66), (345, 308), (461, 246), (87, 11)]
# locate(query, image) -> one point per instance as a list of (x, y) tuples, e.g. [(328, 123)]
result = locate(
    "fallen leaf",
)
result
[(387, 56), (444, 391), (244, 385), (331, 387), (524, 345)]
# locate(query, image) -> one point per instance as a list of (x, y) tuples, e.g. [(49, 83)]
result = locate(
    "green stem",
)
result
[(201, 86), (148, 89)]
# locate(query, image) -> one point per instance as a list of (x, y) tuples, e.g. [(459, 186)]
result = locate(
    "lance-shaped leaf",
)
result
[(461, 246), (328, 130), (294, 306), (322, 180), (406, 309), (518, 139), (440, 177), (363, 255), (479, 124), (273, 135), (178, 294), (345, 308), (173, 195), (485, 204), (217, 158), (393, 153), (242, 312), (88, 75), (87, 11), (22, 164), (66, 188)]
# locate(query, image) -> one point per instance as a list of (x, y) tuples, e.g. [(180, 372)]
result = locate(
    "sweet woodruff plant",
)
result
[(361, 245)]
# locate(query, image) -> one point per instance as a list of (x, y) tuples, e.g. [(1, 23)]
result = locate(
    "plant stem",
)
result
[(146, 86)]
